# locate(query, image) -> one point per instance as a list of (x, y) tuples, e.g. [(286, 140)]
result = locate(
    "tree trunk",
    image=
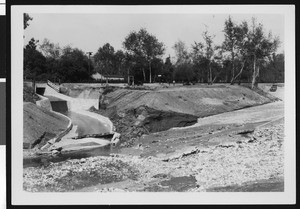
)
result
[(34, 84), (255, 74), (210, 75), (144, 75), (232, 70), (128, 81), (214, 79), (150, 79), (234, 79)]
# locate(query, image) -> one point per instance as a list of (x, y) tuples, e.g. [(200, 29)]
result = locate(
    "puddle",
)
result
[(78, 154)]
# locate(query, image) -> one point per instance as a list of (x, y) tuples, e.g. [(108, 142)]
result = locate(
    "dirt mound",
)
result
[(138, 112), (196, 101), (40, 125), (133, 123)]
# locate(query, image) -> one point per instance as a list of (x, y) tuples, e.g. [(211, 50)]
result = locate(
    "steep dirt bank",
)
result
[(138, 112), (40, 125), (200, 101)]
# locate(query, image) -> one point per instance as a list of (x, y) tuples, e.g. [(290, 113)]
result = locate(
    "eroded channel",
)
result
[(85, 125)]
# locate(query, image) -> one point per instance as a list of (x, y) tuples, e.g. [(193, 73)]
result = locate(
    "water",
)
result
[(45, 160)]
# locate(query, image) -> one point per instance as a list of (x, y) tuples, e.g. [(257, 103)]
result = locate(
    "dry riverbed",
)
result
[(235, 151), (247, 163)]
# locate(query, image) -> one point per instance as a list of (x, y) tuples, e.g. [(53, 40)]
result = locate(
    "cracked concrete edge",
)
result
[(58, 137), (100, 118), (44, 102)]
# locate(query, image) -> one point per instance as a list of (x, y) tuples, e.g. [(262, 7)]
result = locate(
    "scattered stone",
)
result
[(82, 160), (55, 152), (118, 190), (160, 175), (252, 140), (226, 145), (247, 131)]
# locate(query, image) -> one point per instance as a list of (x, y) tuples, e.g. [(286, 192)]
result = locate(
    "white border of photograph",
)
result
[(2, 147), (22, 197)]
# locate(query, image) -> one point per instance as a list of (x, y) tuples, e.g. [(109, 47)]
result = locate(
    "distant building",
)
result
[(98, 76)]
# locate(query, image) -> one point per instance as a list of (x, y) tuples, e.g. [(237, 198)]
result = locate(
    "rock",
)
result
[(204, 150), (121, 114), (82, 160), (226, 145), (55, 152), (252, 140), (141, 117), (118, 190)]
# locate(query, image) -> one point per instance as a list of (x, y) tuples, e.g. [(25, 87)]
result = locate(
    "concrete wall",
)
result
[(44, 102), (101, 118), (73, 103)]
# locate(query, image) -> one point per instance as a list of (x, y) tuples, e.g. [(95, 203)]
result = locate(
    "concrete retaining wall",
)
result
[(73, 103), (44, 102), (63, 133)]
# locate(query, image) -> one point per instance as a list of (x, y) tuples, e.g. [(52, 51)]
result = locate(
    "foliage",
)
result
[(207, 59), (74, 66), (259, 48), (143, 48), (26, 19), (274, 70), (181, 52), (109, 62), (58, 65), (50, 50), (34, 61), (167, 71), (184, 72), (246, 54)]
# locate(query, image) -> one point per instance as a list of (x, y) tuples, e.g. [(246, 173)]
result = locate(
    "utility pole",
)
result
[(89, 53)]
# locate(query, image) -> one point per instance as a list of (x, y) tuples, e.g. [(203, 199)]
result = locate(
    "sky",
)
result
[(88, 32)]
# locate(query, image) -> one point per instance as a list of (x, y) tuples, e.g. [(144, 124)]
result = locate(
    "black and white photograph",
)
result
[(164, 103)]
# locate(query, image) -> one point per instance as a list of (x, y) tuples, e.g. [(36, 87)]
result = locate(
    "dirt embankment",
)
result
[(40, 125), (138, 112)]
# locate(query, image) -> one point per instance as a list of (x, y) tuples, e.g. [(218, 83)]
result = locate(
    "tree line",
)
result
[(247, 54)]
